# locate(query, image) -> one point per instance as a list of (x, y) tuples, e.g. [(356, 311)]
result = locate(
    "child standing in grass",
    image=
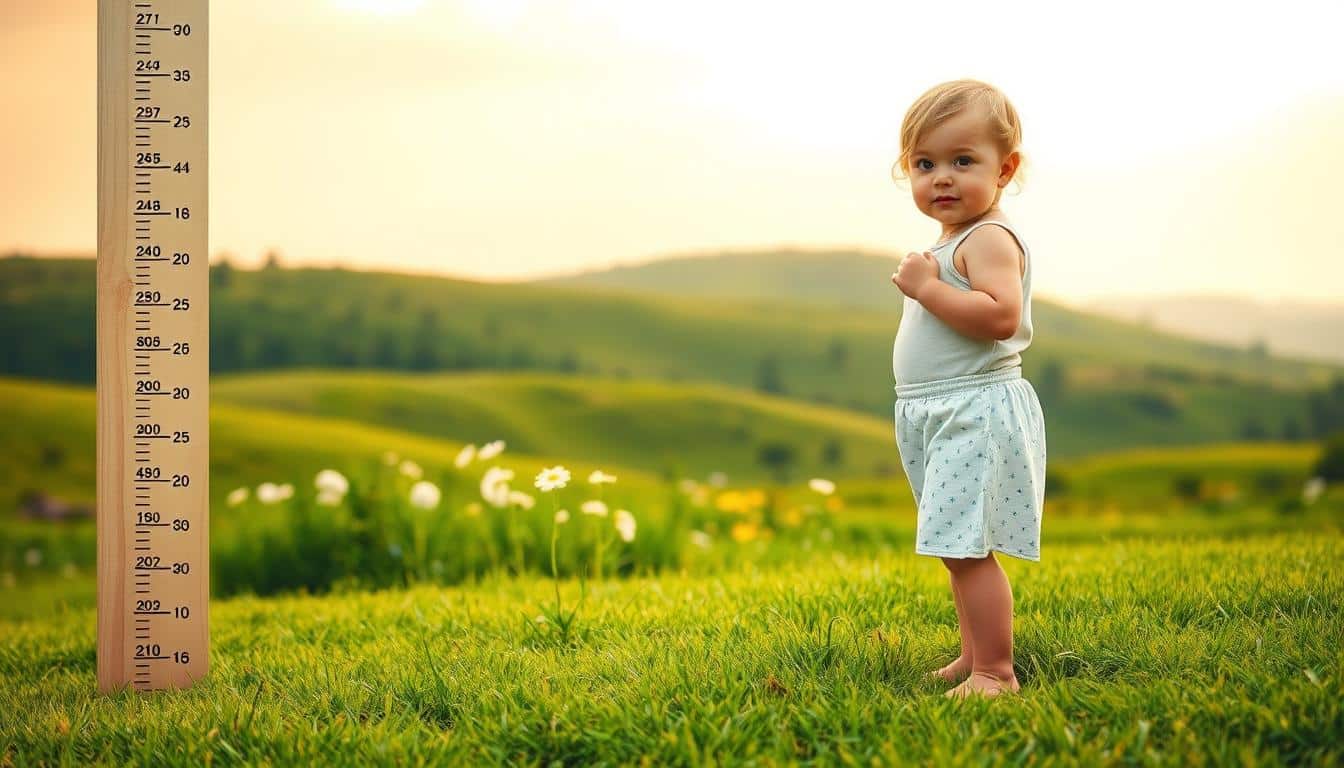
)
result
[(969, 427)]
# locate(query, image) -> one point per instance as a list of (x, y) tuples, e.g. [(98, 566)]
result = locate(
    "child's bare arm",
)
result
[(992, 309)]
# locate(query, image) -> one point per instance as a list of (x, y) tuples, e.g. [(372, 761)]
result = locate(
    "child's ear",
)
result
[(1009, 167)]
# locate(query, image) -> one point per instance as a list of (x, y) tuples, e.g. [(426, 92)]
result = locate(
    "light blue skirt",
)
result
[(973, 448)]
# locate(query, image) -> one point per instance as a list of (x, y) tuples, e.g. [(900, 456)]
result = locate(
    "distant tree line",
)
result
[(48, 326)]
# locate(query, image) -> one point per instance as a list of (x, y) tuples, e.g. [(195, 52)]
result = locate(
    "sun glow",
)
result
[(497, 13), (381, 7)]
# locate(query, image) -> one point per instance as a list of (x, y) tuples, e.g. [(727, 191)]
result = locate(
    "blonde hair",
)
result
[(945, 101)]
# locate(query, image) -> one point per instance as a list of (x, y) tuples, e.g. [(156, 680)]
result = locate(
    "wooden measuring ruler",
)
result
[(153, 344)]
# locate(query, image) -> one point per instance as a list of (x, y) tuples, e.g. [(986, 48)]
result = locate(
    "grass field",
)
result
[(1182, 651), (1231, 489), (1187, 609)]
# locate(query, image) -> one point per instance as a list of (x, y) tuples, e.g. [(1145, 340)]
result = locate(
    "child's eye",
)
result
[(924, 164)]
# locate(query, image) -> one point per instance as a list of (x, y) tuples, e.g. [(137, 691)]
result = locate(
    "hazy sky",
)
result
[(1172, 147)]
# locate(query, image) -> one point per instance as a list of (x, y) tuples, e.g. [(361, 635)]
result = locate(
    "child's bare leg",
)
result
[(987, 599), (960, 666)]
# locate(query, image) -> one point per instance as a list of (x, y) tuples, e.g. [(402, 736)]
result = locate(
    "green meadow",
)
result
[(285, 428), (1170, 621), (1187, 650), (716, 607)]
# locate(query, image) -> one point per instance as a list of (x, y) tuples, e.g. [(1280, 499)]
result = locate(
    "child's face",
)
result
[(957, 161)]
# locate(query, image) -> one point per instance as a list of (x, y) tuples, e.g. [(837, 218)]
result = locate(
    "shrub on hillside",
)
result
[(1186, 486), (1155, 403), (1327, 408), (1330, 466), (1056, 483), (777, 456)]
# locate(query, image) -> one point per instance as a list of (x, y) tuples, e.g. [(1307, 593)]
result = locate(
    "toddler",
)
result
[(969, 427)]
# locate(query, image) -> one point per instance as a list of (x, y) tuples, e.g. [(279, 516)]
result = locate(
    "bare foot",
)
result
[(954, 671), (984, 684)]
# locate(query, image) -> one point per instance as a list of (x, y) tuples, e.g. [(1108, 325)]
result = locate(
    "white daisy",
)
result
[(561, 516), (425, 495), (552, 477), (1313, 490), (490, 450), (412, 470), (594, 507), (465, 456), (237, 496), (598, 477), (286, 491), (625, 525), (268, 493), (495, 486), (520, 499), (822, 486), (330, 481)]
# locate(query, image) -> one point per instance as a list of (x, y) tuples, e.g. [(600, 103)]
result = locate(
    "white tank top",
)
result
[(928, 349)]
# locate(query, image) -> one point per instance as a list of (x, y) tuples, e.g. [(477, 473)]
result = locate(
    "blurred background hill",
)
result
[(1298, 328), (632, 348)]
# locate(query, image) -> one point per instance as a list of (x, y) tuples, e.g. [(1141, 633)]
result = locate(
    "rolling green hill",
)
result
[(48, 439), (302, 422), (339, 318), (672, 429), (861, 280), (699, 428), (1106, 384), (285, 427)]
